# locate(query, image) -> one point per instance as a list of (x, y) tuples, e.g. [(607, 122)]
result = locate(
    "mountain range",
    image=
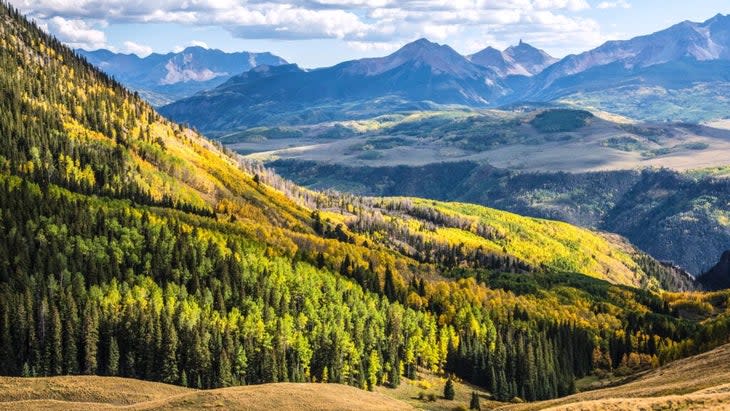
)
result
[(416, 76), (163, 78), (675, 74), (676, 57)]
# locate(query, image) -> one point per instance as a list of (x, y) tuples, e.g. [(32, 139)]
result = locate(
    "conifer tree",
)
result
[(113, 361), (55, 348), (90, 339), (449, 391), (169, 372)]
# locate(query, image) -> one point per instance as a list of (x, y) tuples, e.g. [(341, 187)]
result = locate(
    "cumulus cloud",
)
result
[(614, 4), (75, 32), (362, 24), (139, 49)]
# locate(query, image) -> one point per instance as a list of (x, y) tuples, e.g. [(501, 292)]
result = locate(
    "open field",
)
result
[(694, 383), (94, 393), (510, 140)]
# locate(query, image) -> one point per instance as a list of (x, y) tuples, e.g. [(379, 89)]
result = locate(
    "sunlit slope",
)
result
[(531, 243), (93, 393), (555, 245), (66, 123)]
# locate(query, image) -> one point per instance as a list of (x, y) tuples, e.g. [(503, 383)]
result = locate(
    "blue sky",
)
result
[(315, 33)]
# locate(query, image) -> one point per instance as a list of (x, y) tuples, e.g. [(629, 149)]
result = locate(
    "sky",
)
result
[(318, 33)]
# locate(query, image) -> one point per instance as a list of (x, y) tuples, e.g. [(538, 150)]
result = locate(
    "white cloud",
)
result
[(139, 49), (370, 24), (573, 5), (614, 4), (198, 43), (76, 32)]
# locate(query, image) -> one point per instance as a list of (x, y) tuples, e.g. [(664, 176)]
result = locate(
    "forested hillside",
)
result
[(678, 217), (131, 246)]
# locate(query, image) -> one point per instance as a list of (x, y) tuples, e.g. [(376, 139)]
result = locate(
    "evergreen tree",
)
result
[(90, 339), (449, 391), (169, 371), (55, 348), (113, 361)]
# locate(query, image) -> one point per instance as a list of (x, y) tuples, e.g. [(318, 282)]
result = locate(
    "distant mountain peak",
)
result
[(522, 59), (420, 53), (423, 48)]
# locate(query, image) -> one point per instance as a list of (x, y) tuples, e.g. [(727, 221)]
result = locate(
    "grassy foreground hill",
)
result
[(101, 393), (131, 246)]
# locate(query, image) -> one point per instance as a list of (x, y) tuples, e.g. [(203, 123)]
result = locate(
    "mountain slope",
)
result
[(419, 74), (519, 60), (131, 246), (163, 78), (717, 277)]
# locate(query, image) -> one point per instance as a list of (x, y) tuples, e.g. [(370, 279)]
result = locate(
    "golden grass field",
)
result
[(103, 393), (696, 383)]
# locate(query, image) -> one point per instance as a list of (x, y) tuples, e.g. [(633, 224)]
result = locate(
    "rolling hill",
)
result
[(95, 393), (132, 246)]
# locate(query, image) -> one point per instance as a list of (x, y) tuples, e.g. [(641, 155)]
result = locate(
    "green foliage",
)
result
[(561, 120)]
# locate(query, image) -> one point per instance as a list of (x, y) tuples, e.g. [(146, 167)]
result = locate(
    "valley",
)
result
[(502, 139)]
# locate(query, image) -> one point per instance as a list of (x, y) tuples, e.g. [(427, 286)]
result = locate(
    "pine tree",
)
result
[(70, 327), (169, 350), (389, 285), (56, 347), (113, 362), (449, 391), (90, 339)]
